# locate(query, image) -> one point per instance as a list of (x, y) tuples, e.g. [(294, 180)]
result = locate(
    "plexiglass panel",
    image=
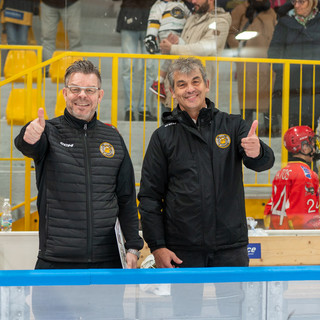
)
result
[(211, 293)]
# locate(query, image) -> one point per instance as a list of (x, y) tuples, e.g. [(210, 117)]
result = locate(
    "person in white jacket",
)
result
[(166, 17), (204, 34)]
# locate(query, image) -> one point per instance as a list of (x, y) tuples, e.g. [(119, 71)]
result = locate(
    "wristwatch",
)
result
[(135, 252)]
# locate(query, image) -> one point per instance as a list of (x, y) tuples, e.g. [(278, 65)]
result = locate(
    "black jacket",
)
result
[(85, 180), (191, 193), (23, 5), (134, 15), (59, 3)]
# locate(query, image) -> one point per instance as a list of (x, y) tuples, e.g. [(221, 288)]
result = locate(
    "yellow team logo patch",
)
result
[(177, 13), (107, 149), (223, 140)]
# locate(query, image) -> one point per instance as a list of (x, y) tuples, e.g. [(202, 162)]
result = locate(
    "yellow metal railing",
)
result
[(112, 101)]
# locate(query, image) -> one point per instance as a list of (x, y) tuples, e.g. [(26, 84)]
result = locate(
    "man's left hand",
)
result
[(165, 46), (131, 260), (173, 38), (251, 144)]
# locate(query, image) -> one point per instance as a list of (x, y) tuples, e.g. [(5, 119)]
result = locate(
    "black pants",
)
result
[(187, 299), (77, 302), (44, 264)]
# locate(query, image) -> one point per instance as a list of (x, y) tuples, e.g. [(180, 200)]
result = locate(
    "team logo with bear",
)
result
[(223, 140), (107, 149)]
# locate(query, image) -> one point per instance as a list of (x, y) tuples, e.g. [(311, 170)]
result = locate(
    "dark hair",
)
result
[(256, 6), (82, 66), (185, 66)]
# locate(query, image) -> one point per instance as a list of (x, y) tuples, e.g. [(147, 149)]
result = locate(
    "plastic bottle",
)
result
[(6, 218)]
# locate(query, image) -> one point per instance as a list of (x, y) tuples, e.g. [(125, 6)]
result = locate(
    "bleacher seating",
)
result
[(57, 69), (19, 60), (17, 106)]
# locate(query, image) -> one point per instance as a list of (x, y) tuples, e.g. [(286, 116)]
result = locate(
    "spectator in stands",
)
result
[(17, 17), (294, 203), (132, 25), (287, 6), (191, 192), (51, 13), (297, 36), (253, 16), (85, 182), (276, 4), (204, 34), (165, 17), (228, 5)]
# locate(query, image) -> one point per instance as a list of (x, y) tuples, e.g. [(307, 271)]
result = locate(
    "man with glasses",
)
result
[(85, 181)]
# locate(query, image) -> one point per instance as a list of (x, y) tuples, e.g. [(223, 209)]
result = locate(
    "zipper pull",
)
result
[(85, 127)]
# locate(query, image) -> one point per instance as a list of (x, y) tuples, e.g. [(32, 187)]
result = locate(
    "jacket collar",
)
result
[(79, 123), (177, 115)]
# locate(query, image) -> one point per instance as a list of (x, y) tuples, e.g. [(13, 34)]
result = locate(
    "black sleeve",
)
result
[(35, 151), (263, 162), (152, 193), (283, 10), (126, 194)]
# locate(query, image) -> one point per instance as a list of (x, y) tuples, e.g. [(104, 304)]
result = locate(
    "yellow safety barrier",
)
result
[(45, 93), (60, 105)]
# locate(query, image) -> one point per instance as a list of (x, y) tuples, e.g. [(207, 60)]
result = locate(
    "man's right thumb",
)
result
[(41, 117)]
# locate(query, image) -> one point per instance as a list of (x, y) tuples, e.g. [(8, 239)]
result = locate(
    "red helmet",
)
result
[(295, 136)]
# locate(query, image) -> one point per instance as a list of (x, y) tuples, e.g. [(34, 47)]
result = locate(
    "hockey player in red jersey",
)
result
[(294, 202)]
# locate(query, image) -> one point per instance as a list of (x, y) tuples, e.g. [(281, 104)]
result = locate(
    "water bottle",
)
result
[(6, 218)]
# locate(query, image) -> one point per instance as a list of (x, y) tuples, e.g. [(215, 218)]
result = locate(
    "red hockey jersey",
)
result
[(294, 202)]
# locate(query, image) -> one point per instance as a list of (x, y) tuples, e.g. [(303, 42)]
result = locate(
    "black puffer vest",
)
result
[(76, 179)]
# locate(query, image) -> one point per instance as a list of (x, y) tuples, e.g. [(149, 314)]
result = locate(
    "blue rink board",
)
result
[(149, 276), (237, 293)]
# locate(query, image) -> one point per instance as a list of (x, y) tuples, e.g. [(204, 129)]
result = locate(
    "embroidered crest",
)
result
[(177, 13), (107, 149), (223, 140)]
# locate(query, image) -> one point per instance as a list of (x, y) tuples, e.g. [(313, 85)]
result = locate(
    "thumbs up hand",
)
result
[(35, 128), (251, 144)]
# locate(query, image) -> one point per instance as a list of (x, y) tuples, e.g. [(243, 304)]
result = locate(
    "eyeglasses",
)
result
[(299, 2), (88, 90)]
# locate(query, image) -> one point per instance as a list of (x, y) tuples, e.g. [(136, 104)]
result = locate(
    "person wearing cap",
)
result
[(294, 203), (297, 36)]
